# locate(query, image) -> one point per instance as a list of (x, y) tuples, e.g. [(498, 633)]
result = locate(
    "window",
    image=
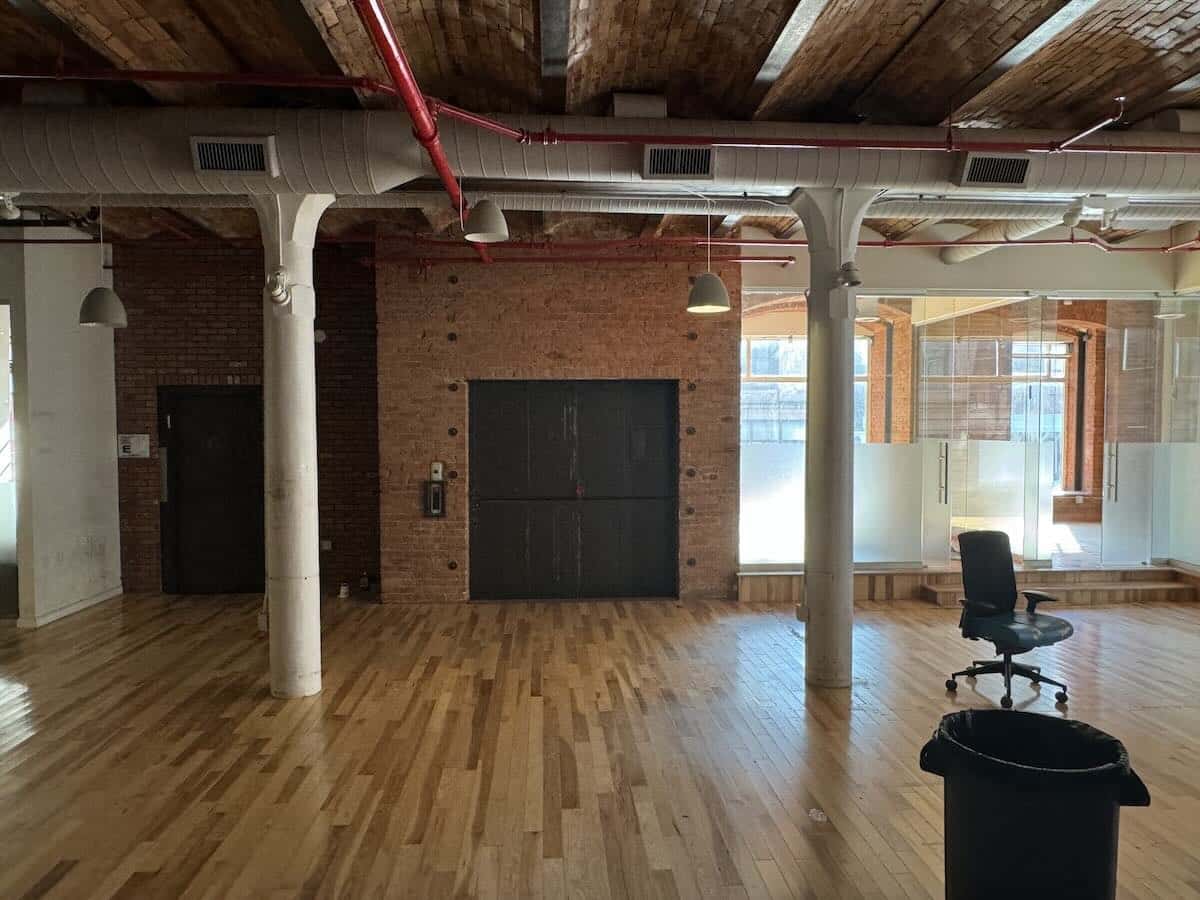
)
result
[(775, 390), (1187, 357), (968, 382)]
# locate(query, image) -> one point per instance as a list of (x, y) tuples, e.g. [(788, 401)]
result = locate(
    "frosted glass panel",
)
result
[(887, 503), (1049, 479), (1185, 503), (991, 476), (935, 501), (1128, 502), (987, 488), (772, 510)]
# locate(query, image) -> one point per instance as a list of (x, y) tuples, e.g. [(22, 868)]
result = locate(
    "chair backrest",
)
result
[(990, 586)]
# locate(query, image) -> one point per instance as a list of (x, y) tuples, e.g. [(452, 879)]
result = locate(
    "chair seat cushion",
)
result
[(1018, 630)]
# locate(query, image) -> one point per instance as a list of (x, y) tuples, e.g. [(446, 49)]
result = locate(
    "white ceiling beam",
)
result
[(1066, 17), (794, 31), (726, 225), (554, 35)]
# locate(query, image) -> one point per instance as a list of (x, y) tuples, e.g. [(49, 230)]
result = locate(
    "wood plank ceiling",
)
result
[(989, 63)]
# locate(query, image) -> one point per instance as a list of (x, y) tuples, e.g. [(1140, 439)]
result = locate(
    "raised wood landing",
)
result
[(1075, 588), (589, 750), (943, 586)]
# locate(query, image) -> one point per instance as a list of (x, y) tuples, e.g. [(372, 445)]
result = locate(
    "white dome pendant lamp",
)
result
[(101, 306), (708, 294), (485, 223)]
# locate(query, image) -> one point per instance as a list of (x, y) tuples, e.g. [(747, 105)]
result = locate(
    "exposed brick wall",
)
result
[(546, 322), (895, 383), (195, 317)]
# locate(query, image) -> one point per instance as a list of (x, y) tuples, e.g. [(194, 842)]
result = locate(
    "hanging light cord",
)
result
[(708, 232)]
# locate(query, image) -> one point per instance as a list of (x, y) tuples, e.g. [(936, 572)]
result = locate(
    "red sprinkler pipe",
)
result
[(550, 137), (1193, 244), (634, 243), (387, 45), (251, 79), (781, 261)]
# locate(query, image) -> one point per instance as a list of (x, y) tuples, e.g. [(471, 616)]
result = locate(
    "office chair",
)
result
[(990, 614)]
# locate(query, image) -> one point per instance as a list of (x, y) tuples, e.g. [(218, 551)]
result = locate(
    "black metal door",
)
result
[(574, 489), (211, 512)]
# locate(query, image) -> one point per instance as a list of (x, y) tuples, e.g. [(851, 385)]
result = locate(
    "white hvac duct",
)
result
[(87, 150), (1137, 216), (1000, 209), (475, 153), (998, 231)]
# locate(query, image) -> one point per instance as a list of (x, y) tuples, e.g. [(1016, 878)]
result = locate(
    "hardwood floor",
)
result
[(583, 750)]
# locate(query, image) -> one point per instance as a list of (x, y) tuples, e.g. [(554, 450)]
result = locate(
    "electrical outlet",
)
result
[(436, 471)]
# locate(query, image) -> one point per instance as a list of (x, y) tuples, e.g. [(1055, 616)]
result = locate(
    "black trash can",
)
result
[(1032, 804)]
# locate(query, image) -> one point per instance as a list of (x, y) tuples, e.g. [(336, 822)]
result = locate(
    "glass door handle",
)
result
[(1111, 485)]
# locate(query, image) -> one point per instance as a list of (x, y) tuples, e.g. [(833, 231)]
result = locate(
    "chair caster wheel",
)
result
[(1006, 702), (951, 685), (1061, 696)]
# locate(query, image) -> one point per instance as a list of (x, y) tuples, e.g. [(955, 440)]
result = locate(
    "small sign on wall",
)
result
[(133, 446)]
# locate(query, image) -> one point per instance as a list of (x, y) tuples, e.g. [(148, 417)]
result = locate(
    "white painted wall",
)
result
[(68, 533)]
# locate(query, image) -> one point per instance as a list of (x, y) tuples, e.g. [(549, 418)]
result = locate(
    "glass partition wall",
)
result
[(1181, 348), (887, 464), (1074, 426)]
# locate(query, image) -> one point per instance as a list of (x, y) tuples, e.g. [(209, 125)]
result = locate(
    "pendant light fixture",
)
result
[(1169, 310), (101, 305), (485, 223), (708, 294)]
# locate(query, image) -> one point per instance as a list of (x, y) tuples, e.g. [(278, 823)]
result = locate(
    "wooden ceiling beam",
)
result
[(1067, 17)]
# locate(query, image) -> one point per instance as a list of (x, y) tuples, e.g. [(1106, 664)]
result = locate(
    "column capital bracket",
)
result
[(288, 223)]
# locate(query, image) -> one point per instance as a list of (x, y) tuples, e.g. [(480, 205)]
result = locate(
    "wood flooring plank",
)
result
[(593, 750)]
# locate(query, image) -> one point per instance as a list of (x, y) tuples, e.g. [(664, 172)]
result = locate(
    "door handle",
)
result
[(163, 471), (1116, 472), (944, 473)]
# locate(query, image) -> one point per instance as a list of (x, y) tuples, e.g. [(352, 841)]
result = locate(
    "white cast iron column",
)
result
[(832, 218), (289, 229)]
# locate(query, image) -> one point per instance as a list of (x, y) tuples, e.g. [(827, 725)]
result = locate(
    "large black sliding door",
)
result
[(573, 489)]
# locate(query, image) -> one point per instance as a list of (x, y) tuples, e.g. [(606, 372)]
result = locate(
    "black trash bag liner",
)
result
[(1030, 750)]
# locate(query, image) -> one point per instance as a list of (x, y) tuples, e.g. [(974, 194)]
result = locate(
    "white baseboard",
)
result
[(37, 621)]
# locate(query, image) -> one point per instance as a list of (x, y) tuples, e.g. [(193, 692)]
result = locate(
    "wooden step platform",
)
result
[(943, 586), (1087, 593)]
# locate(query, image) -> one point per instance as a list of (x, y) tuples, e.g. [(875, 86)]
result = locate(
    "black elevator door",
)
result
[(574, 489), (212, 506)]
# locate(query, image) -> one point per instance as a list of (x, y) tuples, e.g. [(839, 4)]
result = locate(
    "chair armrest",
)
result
[(1033, 598)]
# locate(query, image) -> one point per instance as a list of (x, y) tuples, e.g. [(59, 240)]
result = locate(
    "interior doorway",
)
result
[(574, 489), (211, 453)]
